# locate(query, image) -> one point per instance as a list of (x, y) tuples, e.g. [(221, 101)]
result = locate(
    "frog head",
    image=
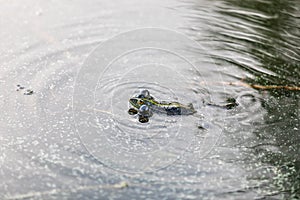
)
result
[(136, 102)]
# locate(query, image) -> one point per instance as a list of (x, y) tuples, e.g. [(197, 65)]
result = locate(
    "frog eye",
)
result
[(144, 109)]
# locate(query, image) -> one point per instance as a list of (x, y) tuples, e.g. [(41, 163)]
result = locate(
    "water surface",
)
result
[(73, 137)]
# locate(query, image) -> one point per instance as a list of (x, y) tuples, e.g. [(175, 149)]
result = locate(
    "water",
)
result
[(73, 138)]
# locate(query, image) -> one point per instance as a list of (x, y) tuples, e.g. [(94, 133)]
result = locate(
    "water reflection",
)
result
[(42, 157), (262, 38), (271, 33)]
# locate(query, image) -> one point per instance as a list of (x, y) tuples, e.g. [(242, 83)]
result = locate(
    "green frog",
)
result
[(144, 105)]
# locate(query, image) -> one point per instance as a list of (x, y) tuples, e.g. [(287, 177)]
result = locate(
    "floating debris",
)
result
[(121, 185), (19, 87), (231, 103), (28, 92), (201, 127)]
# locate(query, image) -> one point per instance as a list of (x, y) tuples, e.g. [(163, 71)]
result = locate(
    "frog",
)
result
[(144, 105)]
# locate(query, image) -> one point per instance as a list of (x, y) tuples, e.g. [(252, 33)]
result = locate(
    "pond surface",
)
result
[(68, 71)]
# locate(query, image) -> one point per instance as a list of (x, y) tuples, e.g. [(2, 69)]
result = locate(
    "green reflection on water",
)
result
[(273, 39), (277, 47)]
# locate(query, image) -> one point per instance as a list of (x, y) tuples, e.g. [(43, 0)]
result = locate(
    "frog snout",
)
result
[(133, 101)]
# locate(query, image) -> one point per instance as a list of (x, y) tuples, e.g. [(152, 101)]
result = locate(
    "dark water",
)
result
[(73, 139)]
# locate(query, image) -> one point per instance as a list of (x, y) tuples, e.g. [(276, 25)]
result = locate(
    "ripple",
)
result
[(108, 132)]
